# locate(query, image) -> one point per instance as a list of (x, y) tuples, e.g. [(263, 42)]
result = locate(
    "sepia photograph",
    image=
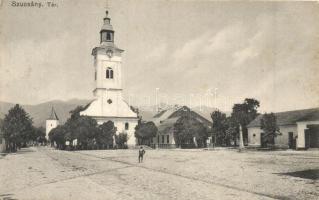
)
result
[(159, 99)]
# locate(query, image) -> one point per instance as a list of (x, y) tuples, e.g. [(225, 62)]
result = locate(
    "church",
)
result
[(108, 103)]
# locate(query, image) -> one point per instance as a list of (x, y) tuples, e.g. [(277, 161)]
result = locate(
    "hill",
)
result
[(40, 112)]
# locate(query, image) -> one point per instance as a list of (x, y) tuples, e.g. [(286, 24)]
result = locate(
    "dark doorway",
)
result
[(312, 136), (291, 141)]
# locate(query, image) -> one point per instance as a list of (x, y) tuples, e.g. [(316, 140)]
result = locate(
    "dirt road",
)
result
[(44, 173)]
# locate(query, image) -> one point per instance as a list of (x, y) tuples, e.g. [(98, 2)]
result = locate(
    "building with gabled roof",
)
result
[(299, 129), (165, 120)]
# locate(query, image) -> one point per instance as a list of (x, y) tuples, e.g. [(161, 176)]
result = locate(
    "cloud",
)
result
[(156, 53)]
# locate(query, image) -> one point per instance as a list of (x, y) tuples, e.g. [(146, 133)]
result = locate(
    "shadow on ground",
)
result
[(6, 197), (312, 174), (21, 151)]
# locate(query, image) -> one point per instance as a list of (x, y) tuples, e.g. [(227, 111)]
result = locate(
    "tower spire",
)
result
[(107, 32), (53, 115)]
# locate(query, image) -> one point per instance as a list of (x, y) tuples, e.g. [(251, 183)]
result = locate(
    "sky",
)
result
[(177, 52)]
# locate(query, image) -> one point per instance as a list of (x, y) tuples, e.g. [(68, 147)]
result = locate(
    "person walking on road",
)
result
[(141, 153)]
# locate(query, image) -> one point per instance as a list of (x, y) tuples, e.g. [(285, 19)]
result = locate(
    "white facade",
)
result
[(109, 104), (49, 125), (254, 136), (297, 131)]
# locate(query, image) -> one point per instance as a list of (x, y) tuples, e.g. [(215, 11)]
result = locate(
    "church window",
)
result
[(109, 73), (95, 75), (126, 126), (167, 139), (109, 101), (163, 140), (108, 37)]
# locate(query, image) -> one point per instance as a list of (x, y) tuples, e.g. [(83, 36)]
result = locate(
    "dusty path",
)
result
[(49, 174)]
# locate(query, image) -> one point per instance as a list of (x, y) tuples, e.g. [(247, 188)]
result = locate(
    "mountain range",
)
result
[(40, 112)]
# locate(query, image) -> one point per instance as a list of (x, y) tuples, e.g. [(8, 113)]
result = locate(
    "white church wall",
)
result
[(50, 124)]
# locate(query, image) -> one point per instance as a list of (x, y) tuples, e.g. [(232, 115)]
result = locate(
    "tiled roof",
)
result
[(290, 117)]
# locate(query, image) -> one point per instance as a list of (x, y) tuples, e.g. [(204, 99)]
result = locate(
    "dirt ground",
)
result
[(45, 173)]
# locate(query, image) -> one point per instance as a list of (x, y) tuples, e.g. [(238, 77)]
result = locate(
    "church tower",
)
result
[(107, 63), (109, 104), (51, 123)]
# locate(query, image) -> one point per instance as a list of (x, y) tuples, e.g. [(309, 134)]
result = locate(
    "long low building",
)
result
[(299, 130)]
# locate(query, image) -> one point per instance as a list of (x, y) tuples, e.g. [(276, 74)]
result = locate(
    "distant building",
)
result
[(109, 104), (51, 123), (299, 129), (165, 120)]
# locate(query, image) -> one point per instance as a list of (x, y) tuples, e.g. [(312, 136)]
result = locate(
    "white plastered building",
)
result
[(109, 104)]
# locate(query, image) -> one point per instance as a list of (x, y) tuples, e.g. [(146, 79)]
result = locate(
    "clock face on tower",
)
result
[(109, 53)]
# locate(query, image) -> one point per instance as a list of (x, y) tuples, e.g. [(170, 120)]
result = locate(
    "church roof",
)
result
[(107, 26), (53, 115), (290, 117)]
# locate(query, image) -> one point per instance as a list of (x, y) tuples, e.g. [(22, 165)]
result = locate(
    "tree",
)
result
[(232, 130), (75, 113), (121, 140), (57, 135), (244, 113), (189, 132), (145, 131), (84, 132), (82, 128), (219, 127), (270, 128), (104, 136), (39, 135), (17, 127)]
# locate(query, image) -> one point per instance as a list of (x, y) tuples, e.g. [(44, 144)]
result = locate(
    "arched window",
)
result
[(109, 73), (126, 126), (108, 36)]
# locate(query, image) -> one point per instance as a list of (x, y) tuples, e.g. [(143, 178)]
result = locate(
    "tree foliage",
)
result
[(219, 127), (39, 135), (84, 130), (17, 127), (186, 129), (145, 130), (244, 113), (105, 135), (121, 140), (270, 128)]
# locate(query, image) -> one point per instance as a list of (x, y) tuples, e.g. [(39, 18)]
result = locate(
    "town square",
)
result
[(159, 100), (42, 173)]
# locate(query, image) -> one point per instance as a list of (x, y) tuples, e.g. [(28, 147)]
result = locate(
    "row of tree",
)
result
[(18, 129), (226, 129), (83, 132)]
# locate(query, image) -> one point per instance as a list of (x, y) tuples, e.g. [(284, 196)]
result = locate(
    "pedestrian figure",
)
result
[(141, 153)]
